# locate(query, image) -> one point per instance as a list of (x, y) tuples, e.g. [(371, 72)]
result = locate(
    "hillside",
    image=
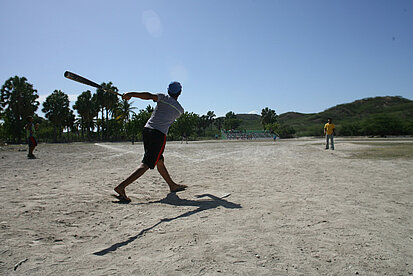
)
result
[(250, 121), (357, 111)]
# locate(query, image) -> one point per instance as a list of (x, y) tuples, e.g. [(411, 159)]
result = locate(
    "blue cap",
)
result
[(174, 88)]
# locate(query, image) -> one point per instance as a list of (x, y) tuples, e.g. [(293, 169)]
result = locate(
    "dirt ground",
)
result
[(252, 208)]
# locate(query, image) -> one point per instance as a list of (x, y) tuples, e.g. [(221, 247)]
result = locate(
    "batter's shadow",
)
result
[(173, 199)]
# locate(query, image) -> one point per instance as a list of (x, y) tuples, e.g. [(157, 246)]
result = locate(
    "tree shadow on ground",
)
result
[(173, 199)]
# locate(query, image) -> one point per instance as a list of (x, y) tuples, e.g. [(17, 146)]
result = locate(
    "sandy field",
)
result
[(252, 208)]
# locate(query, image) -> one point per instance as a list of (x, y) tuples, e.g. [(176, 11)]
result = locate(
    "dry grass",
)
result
[(380, 150)]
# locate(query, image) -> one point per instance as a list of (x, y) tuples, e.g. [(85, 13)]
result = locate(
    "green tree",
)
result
[(107, 103), (56, 109), (149, 109), (122, 116), (124, 111), (350, 129), (230, 115), (281, 130), (231, 121), (219, 122), (2, 133), (268, 116), (45, 131), (87, 110), (185, 124), (272, 127), (383, 124), (115, 130), (203, 123), (286, 131), (18, 100), (69, 124), (111, 101), (408, 126), (135, 126), (211, 115), (97, 122)]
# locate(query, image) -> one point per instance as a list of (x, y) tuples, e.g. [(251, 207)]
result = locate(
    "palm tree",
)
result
[(203, 123), (231, 121), (96, 108), (107, 104), (219, 122), (124, 110), (111, 102), (268, 116), (69, 123), (87, 110), (78, 124), (99, 101), (211, 116), (56, 109), (230, 115), (149, 109), (18, 100)]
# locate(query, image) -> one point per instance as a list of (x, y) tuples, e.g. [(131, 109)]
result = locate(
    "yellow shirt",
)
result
[(329, 128)]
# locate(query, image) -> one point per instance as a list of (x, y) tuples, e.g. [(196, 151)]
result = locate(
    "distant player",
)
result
[(167, 110), (31, 136), (184, 138), (329, 132)]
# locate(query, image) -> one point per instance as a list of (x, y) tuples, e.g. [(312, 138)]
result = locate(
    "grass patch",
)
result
[(385, 151)]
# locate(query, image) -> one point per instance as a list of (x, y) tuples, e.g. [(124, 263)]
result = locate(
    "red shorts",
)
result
[(32, 141)]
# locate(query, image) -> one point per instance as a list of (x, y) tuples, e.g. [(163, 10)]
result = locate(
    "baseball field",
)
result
[(251, 208)]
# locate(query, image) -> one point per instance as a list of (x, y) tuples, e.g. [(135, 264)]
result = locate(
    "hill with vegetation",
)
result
[(370, 116), (362, 117), (250, 121)]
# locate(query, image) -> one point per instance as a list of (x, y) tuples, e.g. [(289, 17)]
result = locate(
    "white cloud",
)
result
[(152, 23), (254, 112)]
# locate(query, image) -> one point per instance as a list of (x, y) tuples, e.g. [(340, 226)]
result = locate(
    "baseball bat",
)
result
[(75, 77)]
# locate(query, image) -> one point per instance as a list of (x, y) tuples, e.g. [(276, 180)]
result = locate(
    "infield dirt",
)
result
[(252, 208)]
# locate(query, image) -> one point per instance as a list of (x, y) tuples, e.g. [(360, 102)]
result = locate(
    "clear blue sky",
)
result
[(230, 55)]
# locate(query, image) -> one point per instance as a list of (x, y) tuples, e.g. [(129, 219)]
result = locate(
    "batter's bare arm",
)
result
[(140, 95)]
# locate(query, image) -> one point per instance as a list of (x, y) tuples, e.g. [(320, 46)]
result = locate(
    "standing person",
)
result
[(167, 110), (329, 132), (184, 138), (31, 136)]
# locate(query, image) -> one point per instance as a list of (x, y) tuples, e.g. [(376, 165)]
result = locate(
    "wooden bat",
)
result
[(83, 80)]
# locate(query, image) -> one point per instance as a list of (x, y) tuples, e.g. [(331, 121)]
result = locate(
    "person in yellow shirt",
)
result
[(329, 132)]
